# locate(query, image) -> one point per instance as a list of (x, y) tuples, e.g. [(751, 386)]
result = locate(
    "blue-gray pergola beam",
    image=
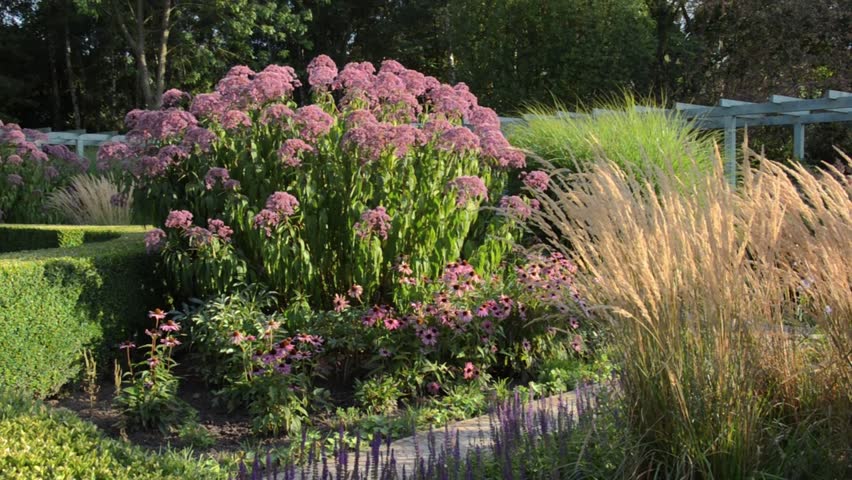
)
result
[(773, 108), (799, 141)]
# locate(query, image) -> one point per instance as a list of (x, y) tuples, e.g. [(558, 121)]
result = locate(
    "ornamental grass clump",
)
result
[(640, 142), (92, 200), (326, 195), (730, 310)]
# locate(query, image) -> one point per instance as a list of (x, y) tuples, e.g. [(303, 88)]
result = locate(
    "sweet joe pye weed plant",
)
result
[(313, 199), (729, 311)]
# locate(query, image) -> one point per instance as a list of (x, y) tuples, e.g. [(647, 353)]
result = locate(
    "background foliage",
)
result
[(67, 63)]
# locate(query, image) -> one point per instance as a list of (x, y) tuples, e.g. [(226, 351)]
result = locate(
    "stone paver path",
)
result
[(472, 433)]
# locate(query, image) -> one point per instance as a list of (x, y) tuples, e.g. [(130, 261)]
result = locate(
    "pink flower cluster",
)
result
[(154, 240), (279, 206), (198, 237), (321, 72), (535, 180), (518, 208), (280, 357), (468, 189), (381, 315), (216, 175), (374, 222), (290, 153), (312, 122), (371, 138)]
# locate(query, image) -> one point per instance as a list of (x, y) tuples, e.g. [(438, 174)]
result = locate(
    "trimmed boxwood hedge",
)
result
[(15, 237), (56, 302)]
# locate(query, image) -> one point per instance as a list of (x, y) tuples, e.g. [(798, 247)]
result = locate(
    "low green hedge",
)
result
[(38, 442), (56, 302), (15, 237)]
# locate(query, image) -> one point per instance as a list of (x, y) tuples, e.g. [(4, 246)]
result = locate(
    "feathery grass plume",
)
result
[(730, 310), (635, 140), (92, 200)]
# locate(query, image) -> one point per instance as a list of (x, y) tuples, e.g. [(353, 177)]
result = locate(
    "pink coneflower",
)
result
[(127, 345), (153, 362), (340, 303), (404, 269), (384, 352), (157, 315), (355, 292), (170, 342), (482, 311), (577, 343), (434, 388), (465, 315), (429, 336), (170, 326), (574, 323), (154, 240), (526, 345), (487, 327), (237, 337), (391, 323), (470, 371)]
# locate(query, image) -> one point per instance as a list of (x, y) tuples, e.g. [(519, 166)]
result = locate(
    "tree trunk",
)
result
[(72, 81), (141, 59), (163, 54), (56, 120)]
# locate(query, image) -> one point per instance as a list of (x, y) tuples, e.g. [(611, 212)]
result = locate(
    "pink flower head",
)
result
[(391, 323), (355, 76), (273, 83), (154, 240), (217, 227), (415, 82), (355, 292), (14, 160), (429, 336), (170, 326), (458, 139), (312, 122), (574, 323), (283, 203), (198, 137), (199, 236), (163, 124), (483, 118), (536, 180), (391, 66), (468, 188), (267, 220), (577, 343), (157, 315), (181, 219), (487, 326), (290, 152), (375, 221), (110, 153), (434, 388), (235, 119), (495, 146), (208, 105), (132, 118), (384, 352), (14, 180), (170, 342), (340, 303), (276, 113), (526, 345), (370, 140), (321, 72), (237, 337), (515, 207), (127, 345), (470, 371), (216, 175), (173, 97)]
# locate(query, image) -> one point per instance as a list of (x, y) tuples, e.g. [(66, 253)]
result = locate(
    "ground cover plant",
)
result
[(39, 442), (730, 312)]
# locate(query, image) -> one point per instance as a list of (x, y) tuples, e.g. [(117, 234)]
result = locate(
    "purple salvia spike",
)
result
[(468, 474), (367, 468), (357, 456)]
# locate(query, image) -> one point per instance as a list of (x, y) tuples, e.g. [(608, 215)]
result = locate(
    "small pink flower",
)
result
[(470, 371), (340, 303), (577, 343), (217, 227), (237, 337), (170, 342), (536, 180), (355, 292), (170, 326), (434, 388), (127, 345), (153, 362), (429, 336), (574, 323), (181, 219), (526, 345), (157, 315), (384, 352), (375, 221), (154, 240)]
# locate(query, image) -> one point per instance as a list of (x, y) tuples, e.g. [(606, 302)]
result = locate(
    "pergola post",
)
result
[(799, 141), (731, 149)]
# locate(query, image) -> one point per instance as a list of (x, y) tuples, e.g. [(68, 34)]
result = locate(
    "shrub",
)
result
[(56, 302), (311, 200), (14, 237), (730, 314), (29, 172), (92, 200), (638, 142), (39, 442)]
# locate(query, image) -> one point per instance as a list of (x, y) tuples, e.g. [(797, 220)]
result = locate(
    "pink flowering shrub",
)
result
[(385, 163), (29, 170)]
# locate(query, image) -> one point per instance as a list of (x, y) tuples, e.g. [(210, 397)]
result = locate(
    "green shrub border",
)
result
[(17, 237), (56, 302)]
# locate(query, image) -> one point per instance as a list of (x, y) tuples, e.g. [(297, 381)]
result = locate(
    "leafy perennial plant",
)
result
[(314, 199)]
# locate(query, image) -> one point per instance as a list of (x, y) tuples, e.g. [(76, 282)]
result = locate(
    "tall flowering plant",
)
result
[(29, 171), (384, 165)]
